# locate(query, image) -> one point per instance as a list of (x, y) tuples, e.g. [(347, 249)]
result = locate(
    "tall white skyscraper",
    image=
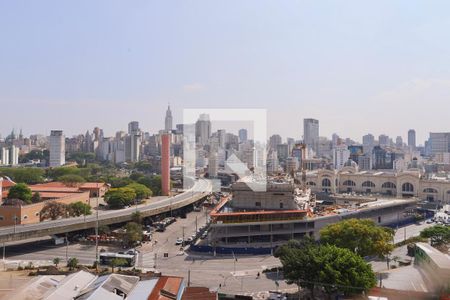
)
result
[(168, 121), (57, 149), (341, 155), (14, 155), (311, 133)]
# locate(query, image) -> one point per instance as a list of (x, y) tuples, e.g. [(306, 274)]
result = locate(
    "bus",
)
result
[(107, 257)]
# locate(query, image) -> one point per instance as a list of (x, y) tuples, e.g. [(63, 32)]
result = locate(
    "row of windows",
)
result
[(2, 218)]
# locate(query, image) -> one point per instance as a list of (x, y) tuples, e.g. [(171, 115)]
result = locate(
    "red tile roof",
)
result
[(166, 288), (198, 293)]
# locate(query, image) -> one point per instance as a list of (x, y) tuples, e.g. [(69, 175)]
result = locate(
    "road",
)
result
[(201, 185)]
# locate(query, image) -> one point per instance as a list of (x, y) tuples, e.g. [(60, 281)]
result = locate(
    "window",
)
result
[(36, 214), (407, 187), (388, 185), (379, 219), (368, 184), (311, 183), (281, 204), (1, 218), (349, 183), (258, 204), (430, 191), (326, 182), (25, 217)]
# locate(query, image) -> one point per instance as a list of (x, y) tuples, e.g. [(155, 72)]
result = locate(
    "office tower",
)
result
[(274, 141), (13, 155), (324, 147), (134, 145), (412, 139), (383, 140), (368, 143), (335, 139), (180, 128), (341, 155), (203, 129), (311, 133), (222, 138), (133, 127), (399, 142), (242, 135), (168, 120), (365, 162), (282, 152), (439, 142), (212, 164), (165, 164), (355, 152), (57, 145)]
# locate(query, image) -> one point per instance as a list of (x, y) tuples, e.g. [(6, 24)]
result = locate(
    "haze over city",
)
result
[(378, 67)]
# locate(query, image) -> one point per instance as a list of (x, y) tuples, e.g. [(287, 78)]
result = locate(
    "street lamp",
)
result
[(15, 223)]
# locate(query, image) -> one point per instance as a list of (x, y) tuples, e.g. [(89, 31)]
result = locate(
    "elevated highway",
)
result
[(21, 232)]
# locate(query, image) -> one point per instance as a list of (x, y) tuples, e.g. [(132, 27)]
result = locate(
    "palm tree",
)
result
[(56, 261)]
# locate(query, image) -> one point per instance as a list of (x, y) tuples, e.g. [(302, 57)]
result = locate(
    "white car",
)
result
[(179, 241)]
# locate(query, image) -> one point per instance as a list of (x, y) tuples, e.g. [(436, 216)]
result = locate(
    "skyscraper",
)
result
[(311, 133), (165, 164), (412, 139), (133, 127), (168, 121), (57, 149), (242, 135), (203, 129)]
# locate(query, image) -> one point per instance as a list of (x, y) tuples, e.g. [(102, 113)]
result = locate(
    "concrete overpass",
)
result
[(21, 232)]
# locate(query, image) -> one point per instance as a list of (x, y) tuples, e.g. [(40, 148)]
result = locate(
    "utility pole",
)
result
[(189, 278), (196, 226), (4, 250), (183, 234), (67, 248), (96, 239), (15, 223)]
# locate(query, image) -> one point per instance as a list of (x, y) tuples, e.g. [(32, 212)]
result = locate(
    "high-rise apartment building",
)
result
[(383, 140), (57, 145), (13, 155), (341, 155), (203, 129), (412, 139), (368, 143), (168, 120), (439, 142), (274, 141), (133, 127), (311, 133)]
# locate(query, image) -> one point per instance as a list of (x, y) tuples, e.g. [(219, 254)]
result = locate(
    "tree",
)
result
[(79, 208), (136, 176), (117, 262), (53, 210), (72, 263), (361, 236), (439, 235), (120, 197), (104, 229), (133, 234), (56, 261), (36, 198), (136, 217), (153, 183), (327, 266), (142, 192), (71, 179), (118, 182), (20, 191), (25, 175)]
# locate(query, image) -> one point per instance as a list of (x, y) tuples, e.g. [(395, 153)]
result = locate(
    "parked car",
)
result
[(179, 241)]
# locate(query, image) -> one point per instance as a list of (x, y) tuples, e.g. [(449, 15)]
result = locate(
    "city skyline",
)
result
[(287, 58)]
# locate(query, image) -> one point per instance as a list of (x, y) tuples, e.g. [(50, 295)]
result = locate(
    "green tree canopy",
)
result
[(71, 179), (152, 182), (120, 197), (118, 262), (361, 236), (36, 198), (25, 175), (118, 182), (142, 192), (72, 263), (438, 235), (53, 210), (327, 266), (20, 191), (79, 208), (134, 233)]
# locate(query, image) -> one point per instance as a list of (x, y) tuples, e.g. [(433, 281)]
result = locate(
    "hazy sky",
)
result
[(357, 66)]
